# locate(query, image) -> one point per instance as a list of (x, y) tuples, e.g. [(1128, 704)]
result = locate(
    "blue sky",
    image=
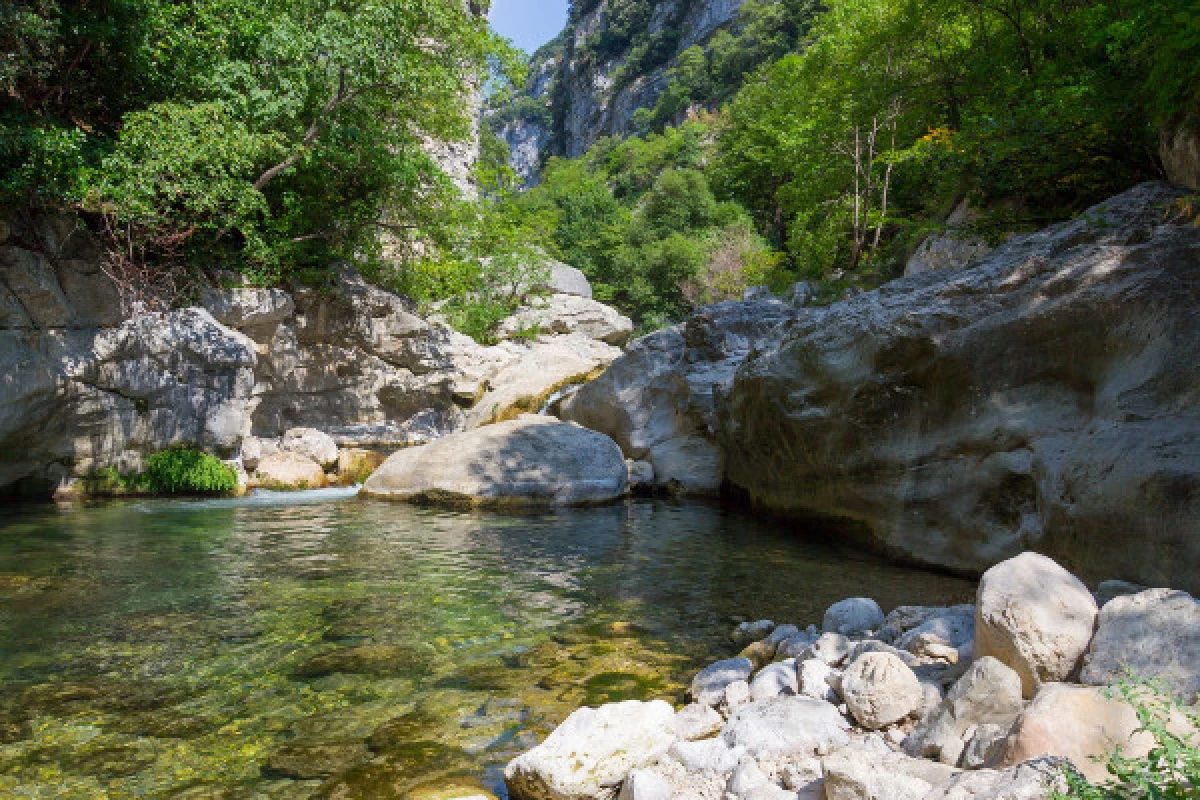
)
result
[(529, 23)]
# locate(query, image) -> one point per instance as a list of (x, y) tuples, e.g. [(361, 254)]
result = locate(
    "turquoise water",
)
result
[(317, 645)]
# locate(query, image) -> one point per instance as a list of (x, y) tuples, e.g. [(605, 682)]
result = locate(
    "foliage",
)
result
[(270, 134), (185, 471), (1170, 771)]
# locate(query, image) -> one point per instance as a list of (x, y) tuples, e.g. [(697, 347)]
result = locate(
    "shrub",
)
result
[(182, 470), (1170, 771)]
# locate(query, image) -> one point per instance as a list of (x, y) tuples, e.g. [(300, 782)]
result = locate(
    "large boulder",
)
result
[(568, 313), (1156, 634), (880, 689), (591, 753), (1035, 617), (533, 373), (288, 470), (658, 401), (988, 694), (786, 726), (1042, 397), (1079, 723), (531, 460), (312, 444)]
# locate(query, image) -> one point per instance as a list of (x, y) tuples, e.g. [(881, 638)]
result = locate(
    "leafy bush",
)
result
[(1170, 771), (182, 470)]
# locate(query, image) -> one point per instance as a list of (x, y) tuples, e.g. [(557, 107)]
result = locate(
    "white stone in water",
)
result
[(752, 631), (593, 750), (781, 633), (853, 615), (774, 680), (708, 687), (697, 721), (645, 784)]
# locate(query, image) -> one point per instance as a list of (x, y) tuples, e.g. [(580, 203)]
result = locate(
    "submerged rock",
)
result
[(531, 460)]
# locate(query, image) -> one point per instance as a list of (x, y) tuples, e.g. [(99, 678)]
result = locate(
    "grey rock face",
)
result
[(658, 400), (1156, 634), (79, 400), (1042, 398)]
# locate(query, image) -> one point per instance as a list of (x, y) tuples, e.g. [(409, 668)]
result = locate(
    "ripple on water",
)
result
[(305, 645)]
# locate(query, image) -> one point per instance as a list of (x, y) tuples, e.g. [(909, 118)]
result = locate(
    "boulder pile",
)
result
[(989, 700)]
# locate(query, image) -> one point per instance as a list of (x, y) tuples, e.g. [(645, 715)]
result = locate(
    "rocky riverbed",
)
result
[(990, 700)]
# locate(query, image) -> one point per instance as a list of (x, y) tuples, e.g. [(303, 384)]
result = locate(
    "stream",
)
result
[(317, 645)]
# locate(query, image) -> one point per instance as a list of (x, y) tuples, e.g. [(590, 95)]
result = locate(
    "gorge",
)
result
[(647, 429)]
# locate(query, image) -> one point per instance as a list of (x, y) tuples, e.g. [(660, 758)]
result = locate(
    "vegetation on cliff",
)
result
[(848, 132), (272, 137)]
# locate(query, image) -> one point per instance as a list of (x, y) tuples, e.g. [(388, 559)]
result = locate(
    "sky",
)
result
[(529, 23)]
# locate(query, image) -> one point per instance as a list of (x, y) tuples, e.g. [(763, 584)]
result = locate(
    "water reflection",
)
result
[(296, 646)]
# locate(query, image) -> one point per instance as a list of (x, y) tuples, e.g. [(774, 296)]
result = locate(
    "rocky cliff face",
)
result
[(1043, 398), (86, 388), (602, 74)]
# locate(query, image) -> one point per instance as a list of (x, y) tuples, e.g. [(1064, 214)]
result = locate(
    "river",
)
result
[(318, 645)]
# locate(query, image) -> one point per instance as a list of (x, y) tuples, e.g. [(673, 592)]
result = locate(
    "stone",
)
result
[(864, 772), (768, 791), (568, 313), (985, 745), (832, 648), (1155, 634), (814, 677), (988, 694), (879, 690), (592, 751), (736, 694), (747, 632), (955, 626), (254, 449), (746, 775), (958, 418), (781, 634), (708, 687), (533, 373), (774, 680), (645, 784), (707, 755), (312, 443), (528, 461), (641, 476), (786, 726), (855, 615), (1079, 723), (286, 470), (1179, 150), (759, 653), (356, 464), (1035, 617), (697, 721), (566, 279), (955, 248), (795, 646), (248, 307)]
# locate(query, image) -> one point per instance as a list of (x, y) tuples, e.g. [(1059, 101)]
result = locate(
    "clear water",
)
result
[(317, 645)]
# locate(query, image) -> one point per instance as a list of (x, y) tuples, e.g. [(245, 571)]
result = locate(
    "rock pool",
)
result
[(318, 645)]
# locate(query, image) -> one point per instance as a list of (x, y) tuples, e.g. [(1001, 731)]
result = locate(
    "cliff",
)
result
[(613, 59)]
